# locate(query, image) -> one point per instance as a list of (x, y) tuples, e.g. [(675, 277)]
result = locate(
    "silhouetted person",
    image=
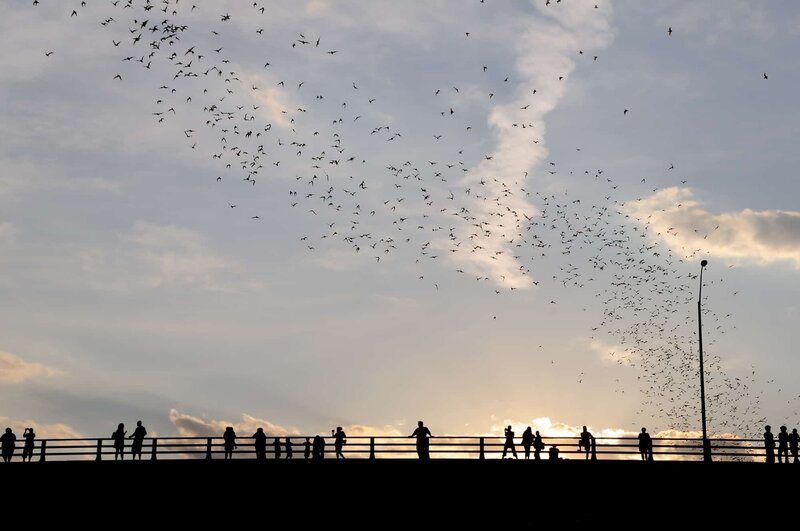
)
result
[(769, 444), (319, 448), (794, 438), (289, 450), (527, 441), (645, 445), (260, 444), (276, 444), (307, 448), (783, 444), (586, 442), (339, 441), (8, 440), (29, 436), (138, 439), (423, 434), (509, 444), (229, 437), (553, 453), (538, 446), (119, 442)]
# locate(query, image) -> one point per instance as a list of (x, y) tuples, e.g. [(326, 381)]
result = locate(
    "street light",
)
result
[(706, 442)]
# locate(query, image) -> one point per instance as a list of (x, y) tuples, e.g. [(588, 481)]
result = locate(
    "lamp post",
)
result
[(706, 442)]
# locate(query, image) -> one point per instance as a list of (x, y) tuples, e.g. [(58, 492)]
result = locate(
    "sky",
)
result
[(472, 213)]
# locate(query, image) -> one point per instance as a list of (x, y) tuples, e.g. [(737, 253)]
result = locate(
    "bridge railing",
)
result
[(393, 447)]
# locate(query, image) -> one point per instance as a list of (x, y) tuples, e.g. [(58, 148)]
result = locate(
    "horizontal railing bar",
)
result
[(367, 437), (363, 446)]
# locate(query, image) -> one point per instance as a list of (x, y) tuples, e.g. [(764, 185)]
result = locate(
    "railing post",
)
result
[(482, 456), (372, 447), (208, 448), (43, 450), (153, 450), (98, 455)]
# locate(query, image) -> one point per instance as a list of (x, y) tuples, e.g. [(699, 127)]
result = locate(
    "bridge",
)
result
[(398, 447), (185, 481)]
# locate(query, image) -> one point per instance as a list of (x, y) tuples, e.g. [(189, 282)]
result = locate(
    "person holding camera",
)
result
[(339, 441), (509, 444), (27, 450)]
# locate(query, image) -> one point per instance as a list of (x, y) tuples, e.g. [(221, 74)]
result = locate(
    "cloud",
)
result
[(14, 369), (192, 426), (316, 6), (714, 25), (43, 431), (613, 353), (19, 177), (276, 105), (760, 237), (544, 61), (151, 256), (362, 430)]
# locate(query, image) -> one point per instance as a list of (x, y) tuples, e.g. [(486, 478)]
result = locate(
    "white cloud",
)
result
[(14, 369), (613, 353), (276, 105), (761, 237), (716, 25), (18, 177), (43, 431), (544, 61), (316, 6), (151, 256), (192, 426)]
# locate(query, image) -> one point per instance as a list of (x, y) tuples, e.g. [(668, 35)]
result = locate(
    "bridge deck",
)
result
[(445, 491)]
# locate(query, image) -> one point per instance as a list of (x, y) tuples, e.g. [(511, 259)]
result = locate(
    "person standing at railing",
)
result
[(527, 441), (8, 442), (276, 445), (289, 445), (138, 440), (319, 447), (769, 444), (230, 442), (645, 445), (794, 439), (307, 449), (260, 444), (783, 444), (509, 444), (119, 442), (423, 435), (29, 436), (339, 441), (586, 442), (538, 446)]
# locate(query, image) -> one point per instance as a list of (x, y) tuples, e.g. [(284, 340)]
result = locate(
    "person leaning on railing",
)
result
[(423, 434)]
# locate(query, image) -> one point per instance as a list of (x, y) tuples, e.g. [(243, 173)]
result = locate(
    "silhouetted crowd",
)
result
[(786, 442), (315, 449)]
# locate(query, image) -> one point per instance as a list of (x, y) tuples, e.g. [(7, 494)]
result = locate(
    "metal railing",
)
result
[(467, 447)]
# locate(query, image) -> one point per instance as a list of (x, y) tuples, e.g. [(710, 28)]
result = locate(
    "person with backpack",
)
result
[(118, 438)]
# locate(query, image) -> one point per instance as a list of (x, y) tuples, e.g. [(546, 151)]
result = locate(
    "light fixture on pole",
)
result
[(706, 442)]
